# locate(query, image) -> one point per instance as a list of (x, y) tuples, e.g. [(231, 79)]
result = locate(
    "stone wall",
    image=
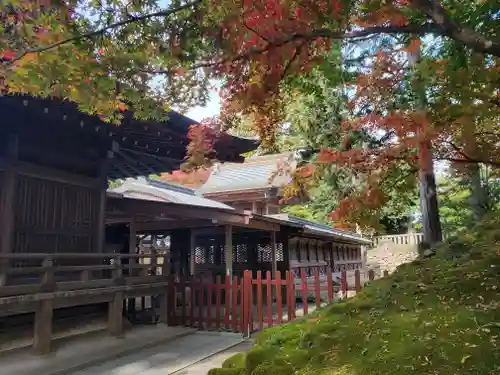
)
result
[(389, 254)]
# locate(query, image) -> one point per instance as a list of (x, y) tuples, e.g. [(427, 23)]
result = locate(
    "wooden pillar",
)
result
[(274, 263), (7, 203), (285, 239), (115, 317), (265, 208), (132, 236), (192, 246), (42, 338), (101, 210), (229, 250), (42, 335)]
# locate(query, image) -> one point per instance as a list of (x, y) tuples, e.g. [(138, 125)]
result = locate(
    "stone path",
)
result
[(74, 354), (191, 354), (215, 361)]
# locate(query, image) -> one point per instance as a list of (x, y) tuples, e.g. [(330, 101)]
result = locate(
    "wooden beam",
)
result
[(118, 165), (161, 225), (274, 263), (132, 161), (7, 203), (261, 225), (51, 174)]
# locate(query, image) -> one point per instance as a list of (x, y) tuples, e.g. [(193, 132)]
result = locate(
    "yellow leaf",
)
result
[(465, 358)]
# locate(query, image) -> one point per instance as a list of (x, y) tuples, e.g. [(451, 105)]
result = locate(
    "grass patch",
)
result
[(439, 315)]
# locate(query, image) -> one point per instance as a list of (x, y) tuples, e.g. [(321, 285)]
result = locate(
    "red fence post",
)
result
[(317, 290), (227, 301), (357, 281), (269, 299), (234, 313), (210, 287), (217, 301), (329, 281), (290, 298), (303, 287), (343, 282), (279, 300), (260, 316), (248, 303)]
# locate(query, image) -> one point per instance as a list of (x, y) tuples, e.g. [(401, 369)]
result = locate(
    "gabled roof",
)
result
[(140, 147), (147, 189), (255, 173)]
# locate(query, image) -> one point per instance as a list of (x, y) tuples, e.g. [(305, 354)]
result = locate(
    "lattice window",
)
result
[(264, 253), (222, 254), (199, 255), (241, 253), (211, 254), (280, 253)]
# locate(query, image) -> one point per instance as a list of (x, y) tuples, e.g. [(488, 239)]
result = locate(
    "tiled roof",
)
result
[(255, 173), (143, 188), (321, 229)]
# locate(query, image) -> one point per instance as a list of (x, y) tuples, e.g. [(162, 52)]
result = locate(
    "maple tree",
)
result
[(104, 54), (110, 56)]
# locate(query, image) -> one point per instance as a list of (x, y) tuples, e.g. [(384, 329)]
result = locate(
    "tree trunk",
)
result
[(478, 198), (428, 198), (427, 180)]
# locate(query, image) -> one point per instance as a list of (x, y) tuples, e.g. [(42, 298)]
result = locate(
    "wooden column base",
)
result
[(42, 338), (115, 317), (164, 305)]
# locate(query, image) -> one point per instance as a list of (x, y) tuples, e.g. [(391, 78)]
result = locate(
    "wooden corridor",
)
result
[(54, 281)]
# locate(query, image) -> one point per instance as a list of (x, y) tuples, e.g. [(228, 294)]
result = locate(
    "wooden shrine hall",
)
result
[(206, 228), (55, 163), (70, 247)]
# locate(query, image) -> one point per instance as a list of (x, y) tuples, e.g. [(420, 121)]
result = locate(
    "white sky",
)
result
[(211, 109)]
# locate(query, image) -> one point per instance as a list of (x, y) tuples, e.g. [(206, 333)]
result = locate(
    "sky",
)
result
[(211, 109)]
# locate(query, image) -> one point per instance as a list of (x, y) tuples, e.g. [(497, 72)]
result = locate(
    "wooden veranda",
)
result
[(55, 163)]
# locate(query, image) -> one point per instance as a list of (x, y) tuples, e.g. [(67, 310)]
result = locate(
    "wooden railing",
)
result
[(41, 283), (66, 271), (399, 239)]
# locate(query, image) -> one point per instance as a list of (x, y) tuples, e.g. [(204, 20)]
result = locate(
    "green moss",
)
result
[(226, 371), (236, 361), (439, 315)]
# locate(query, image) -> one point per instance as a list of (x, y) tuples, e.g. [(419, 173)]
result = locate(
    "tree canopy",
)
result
[(410, 80)]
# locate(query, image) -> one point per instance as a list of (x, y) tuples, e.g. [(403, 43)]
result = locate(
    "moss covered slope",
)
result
[(439, 315)]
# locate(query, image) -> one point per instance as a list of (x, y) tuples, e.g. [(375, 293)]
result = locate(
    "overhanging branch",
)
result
[(469, 37), (91, 34)]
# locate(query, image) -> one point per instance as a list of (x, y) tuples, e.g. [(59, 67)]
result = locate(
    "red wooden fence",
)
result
[(247, 304)]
